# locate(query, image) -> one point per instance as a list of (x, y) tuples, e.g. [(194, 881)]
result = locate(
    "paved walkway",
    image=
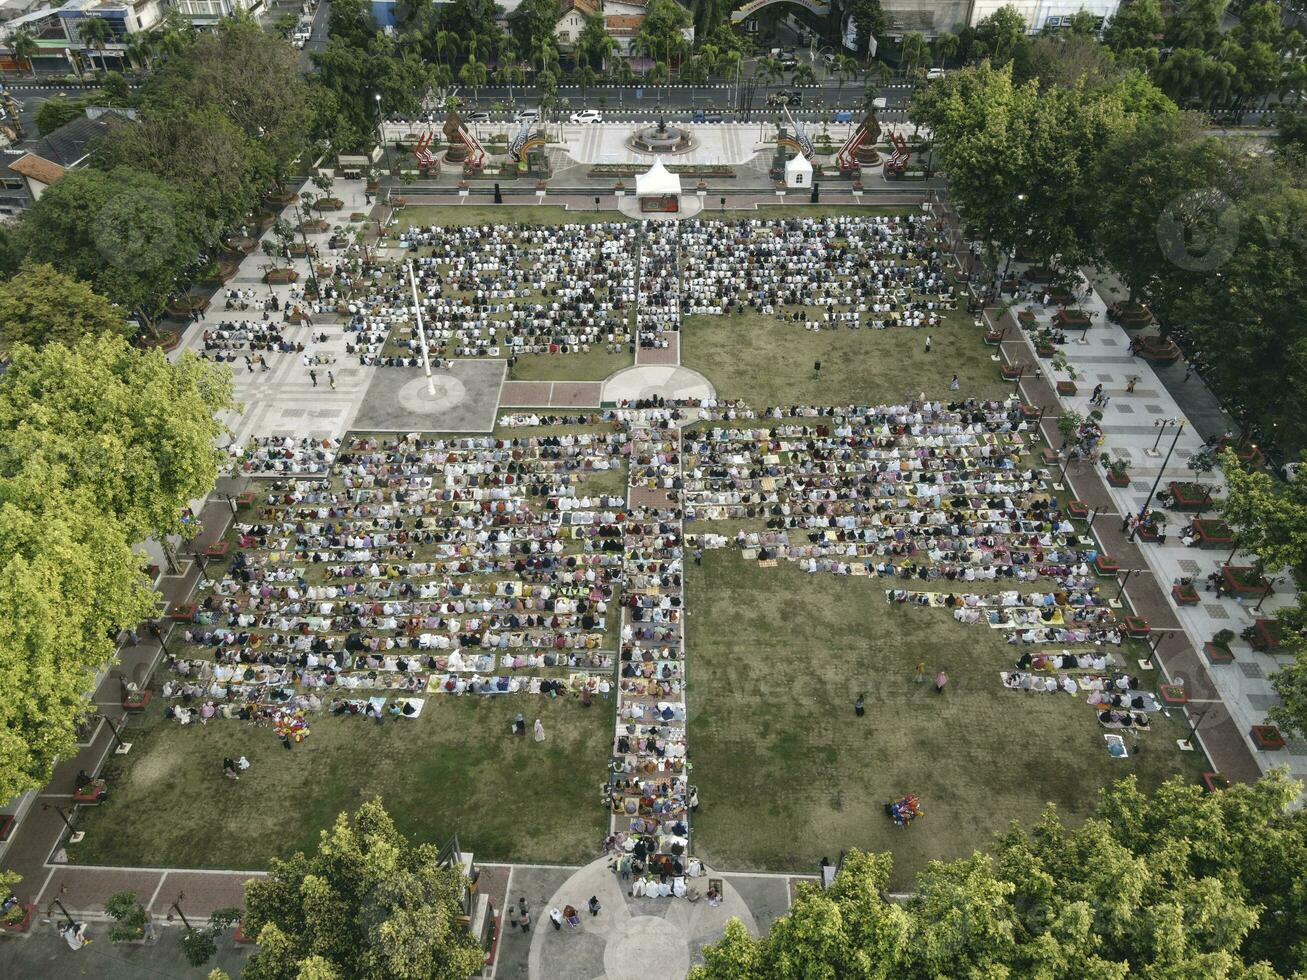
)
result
[(1225, 701)]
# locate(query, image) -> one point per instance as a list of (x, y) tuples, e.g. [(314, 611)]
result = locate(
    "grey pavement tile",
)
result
[(1215, 610), (1154, 409), (1263, 702), (1251, 671), (1123, 408), (1188, 566)]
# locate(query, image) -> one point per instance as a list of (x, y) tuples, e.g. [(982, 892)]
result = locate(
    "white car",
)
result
[(527, 115), (587, 116), (934, 73)]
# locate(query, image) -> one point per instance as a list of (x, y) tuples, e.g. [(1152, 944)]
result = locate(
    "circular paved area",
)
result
[(665, 380), (416, 397), (632, 938), (691, 204)]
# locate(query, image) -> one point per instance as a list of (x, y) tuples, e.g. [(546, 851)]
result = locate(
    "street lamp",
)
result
[(1179, 430), (1161, 426), (381, 133), (74, 836)]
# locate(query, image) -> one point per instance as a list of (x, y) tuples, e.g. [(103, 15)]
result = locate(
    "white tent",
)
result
[(798, 172), (659, 182)]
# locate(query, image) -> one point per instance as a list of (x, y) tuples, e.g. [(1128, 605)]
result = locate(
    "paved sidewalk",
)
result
[(1225, 700)]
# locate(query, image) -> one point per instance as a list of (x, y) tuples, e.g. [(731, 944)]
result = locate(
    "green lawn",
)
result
[(787, 774), (499, 214), (767, 362), (453, 770), (596, 364)]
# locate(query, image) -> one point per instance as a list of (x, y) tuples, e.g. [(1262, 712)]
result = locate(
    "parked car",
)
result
[(527, 115), (587, 116), (479, 116), (793, 99), (843, 115), (934, 73)]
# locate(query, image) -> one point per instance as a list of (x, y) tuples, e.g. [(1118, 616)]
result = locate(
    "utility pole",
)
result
[(422, 334)]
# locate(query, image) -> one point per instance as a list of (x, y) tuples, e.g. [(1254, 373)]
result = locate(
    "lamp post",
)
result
[(422, 334), (1160, 425), (74, 836), (308, 254), (176, 906), (381, 132), (1179, 430), (123, 747), (1121, 591), (158, 635)]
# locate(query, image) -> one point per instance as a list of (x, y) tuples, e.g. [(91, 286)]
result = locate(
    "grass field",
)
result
[(787, 774), (767, 362), (453, 770)]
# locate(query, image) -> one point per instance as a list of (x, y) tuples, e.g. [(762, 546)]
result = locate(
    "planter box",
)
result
[(92, 795), (1267, 738), (1026, 318), (240, 936), (217, 549), (184, 308), (328, 204), (1029, 412), (245, 501), (1212, 534), (23, 924), (1061, 296), (993, 338), (1236, 580), (1190, 496), (1217, 653), (314, 226), (182, 612), (280, 277), (1077, 509), (1072, 319), (1131, 316), (1105, 566), (7, 823), (1214, 782), (1118, 480), (1158, 350), (1067, 388), (1266, 635), (138, 701), (1172, 694), (1048, 456), (1046, 351), (1185, 595), (1039, 273), (1136, 627), (1148, 533), (1011, 372)]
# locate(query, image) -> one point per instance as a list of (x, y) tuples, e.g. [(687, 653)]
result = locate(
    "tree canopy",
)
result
[(40, 305), (131, 428), (1182, 883), (127, 233), (367, 905)]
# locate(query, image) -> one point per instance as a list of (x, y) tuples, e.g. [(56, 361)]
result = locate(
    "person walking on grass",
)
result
[(860, 704), (920, 676), (940, 680), (927, 343)]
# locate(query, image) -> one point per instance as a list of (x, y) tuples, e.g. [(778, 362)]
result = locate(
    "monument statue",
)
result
[(453, 130)]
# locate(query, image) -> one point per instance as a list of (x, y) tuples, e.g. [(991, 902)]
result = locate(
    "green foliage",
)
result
[(355, 71), (68, 583), (128, 915), (1182, 883), (59, 110), (252, 77), (129, 426), (198, 151), (41, 305), (199, 945), (1137, 24), (127, 233), (868, 21), (1271, 518), (368, 904)]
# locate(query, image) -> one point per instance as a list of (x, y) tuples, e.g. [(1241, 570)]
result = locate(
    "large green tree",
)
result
[(41, 305), (128, 426), (1182, 883), (1250, 316), (199, 151), (69, 583), (368, 905), (1137, 24), (253, 77), (127, 233), (1020, 159)]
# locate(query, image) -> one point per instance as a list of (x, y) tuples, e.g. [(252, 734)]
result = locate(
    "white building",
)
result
[(204, 13)]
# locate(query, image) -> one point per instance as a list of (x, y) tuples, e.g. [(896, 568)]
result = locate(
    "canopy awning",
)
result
[(658, 182)]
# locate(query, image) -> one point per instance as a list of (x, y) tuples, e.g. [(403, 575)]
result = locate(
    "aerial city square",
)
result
[(575, 489)]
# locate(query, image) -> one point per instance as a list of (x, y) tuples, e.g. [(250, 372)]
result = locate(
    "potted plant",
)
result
[(18, 917), (1268, 738), (324, 182), (1060, 363), (1218, 650), (1184, 594), (1118, 470), (131, 922)]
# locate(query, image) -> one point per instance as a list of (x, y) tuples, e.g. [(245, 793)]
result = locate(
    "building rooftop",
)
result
[(37, 168)]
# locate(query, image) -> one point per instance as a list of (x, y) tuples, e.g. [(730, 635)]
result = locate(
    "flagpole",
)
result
[(422, 334)]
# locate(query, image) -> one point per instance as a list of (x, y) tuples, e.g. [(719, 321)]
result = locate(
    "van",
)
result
[(303, 31)]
